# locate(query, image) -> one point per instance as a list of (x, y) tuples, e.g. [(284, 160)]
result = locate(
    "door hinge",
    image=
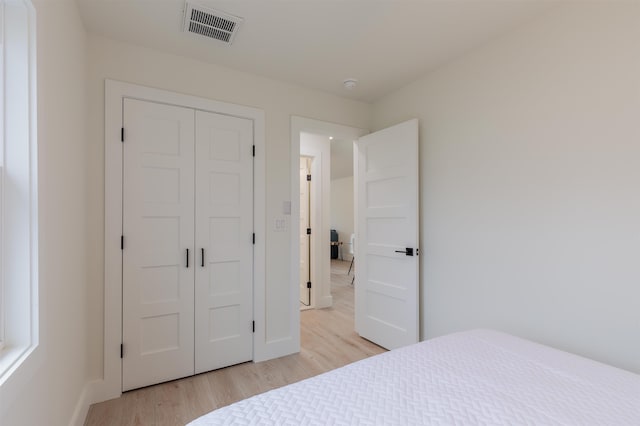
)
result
[(121, 350), (253, 326), (253, 151), (122, 134), (121, 242), (308, 284), (309, 178), (254, 238), (308, 231)]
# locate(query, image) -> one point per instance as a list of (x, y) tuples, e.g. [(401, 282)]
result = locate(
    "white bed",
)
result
[(476, 377)]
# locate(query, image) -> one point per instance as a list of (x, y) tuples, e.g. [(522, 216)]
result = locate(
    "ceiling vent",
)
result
[(211, 23)]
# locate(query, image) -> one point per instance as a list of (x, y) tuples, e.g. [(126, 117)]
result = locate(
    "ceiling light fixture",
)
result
[(350, 83), (330, 138)]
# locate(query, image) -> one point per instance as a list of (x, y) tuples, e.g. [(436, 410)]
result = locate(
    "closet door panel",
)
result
[(158, 227), (224, 228)]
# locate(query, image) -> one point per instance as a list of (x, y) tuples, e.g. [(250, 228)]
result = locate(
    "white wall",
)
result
[(342, 211), (47, 387), (530, 153), (124, 62)]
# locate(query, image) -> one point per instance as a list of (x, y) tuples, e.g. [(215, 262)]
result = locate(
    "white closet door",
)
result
[(158, 223), (224, 229)]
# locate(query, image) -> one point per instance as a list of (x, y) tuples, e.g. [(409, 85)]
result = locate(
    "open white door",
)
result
[(386, 255)]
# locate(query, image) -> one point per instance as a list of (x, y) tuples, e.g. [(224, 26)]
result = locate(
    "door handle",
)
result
[(202, 255), (408, 251), (187, 258)]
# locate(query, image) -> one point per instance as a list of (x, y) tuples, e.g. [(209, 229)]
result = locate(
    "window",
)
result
[(18, 201), (1, 168)]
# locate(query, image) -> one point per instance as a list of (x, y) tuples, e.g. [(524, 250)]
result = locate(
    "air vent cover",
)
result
[(211, 23)]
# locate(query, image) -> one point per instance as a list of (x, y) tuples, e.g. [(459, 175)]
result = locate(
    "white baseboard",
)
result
[(87, 397), (325, 302), (346, 257)]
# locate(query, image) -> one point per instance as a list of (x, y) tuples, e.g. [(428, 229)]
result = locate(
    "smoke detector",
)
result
[(210, 23), (350, 83)]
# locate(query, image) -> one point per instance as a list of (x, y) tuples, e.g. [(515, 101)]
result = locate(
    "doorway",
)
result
[(325, 201), (386, 222), (311, 139)]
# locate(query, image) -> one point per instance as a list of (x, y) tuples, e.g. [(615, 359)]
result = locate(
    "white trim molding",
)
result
[(318, 148), (115, 92)]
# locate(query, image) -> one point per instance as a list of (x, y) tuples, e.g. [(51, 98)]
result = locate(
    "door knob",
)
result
[(408, 251)]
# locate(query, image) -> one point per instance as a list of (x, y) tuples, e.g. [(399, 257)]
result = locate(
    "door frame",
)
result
[(320, 288), (115, 91), (310, 206), (319, 151)]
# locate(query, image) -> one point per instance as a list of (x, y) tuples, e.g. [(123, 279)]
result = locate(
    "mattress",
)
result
[(480, 377)]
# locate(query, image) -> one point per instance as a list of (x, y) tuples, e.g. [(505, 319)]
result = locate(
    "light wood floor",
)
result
[(327, 339)]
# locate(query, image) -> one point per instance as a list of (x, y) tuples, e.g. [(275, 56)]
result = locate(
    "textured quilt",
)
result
[(479, 377)]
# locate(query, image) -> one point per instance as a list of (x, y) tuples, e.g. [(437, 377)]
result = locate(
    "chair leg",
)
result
[(351, 265)]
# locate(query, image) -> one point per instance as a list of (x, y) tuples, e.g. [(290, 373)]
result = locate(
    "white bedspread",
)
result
[(477, 377)]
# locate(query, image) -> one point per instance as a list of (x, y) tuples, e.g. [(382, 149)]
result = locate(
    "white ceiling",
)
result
[(385, 44)]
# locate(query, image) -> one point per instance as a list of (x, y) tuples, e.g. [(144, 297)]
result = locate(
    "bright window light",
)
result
[(18, 196)]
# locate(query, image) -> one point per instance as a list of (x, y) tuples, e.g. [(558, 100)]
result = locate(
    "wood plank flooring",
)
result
[(327, 339)]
